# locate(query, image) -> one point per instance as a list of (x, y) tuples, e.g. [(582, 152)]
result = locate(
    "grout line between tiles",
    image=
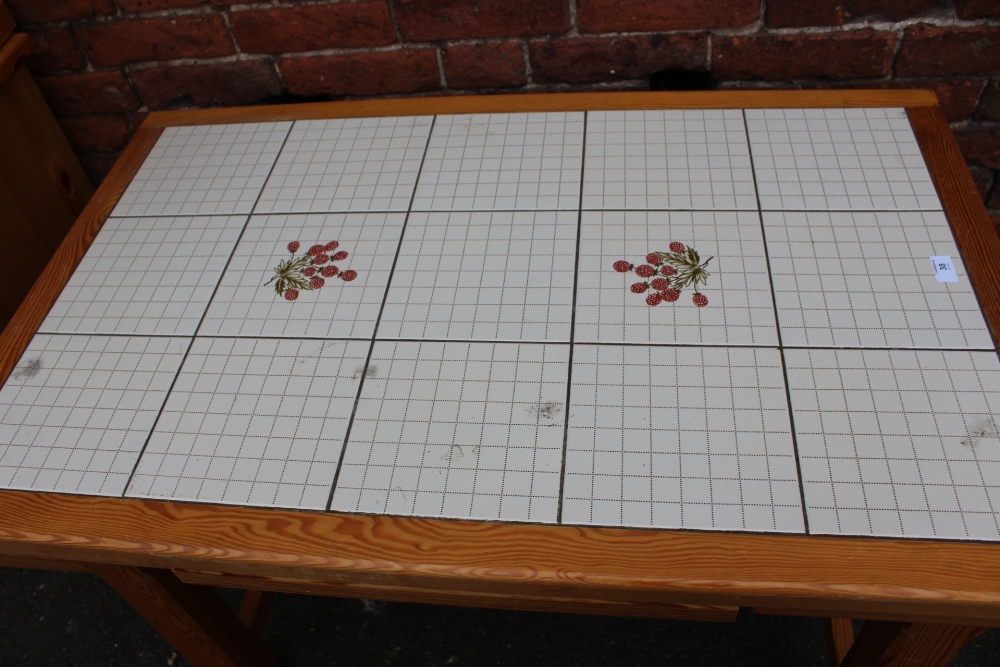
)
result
[(572, 324), (777, 325), (204, 313), (378, 320)]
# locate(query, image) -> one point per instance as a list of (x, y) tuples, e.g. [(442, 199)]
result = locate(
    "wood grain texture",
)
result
[(28, 317), (723, 99), (42, 188), (820, 576), (976, 236), (385, 593), (11, 52), (895, 644), (839, 635), (33, 563), (192, 618)]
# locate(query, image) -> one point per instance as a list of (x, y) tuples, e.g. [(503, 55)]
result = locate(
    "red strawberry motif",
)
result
[(293, 246), (639, 288), (654, 299), (342, 255), (668, 270), (654, 258), (315, 250), (329, 271), (309, 271), (659, 284), (316, 282), (292, 294), (331, 246), (621, 266), (671, 295), (700, 300), (677, 246), (645, 271), (320, 259), (349, 275)]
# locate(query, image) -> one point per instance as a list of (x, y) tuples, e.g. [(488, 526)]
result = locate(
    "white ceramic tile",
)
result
[(146, 276), (865, 280), (502, 161), (680, 437), (254, 422), (740, 310), (204, 169), (490, 275), (347, 164), (898, 442), (668, 159), (77, 410), (838, 159), (469, 430), (246, 303)]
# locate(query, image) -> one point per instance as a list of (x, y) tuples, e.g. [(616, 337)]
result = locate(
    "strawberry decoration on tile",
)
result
[(309, 270), (667, 274)]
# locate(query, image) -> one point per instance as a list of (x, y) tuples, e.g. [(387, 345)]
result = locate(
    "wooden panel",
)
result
[(974, 231), (466, 598), (6, 23), (722, 99), (45, 290), (192, 618), (821, 576), (32, 563), (42, 188)]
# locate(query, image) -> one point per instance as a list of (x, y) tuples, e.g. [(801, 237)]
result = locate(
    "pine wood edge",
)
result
[(29, 316), (721, 99), (17, 47), (974, 232), (816, 575)]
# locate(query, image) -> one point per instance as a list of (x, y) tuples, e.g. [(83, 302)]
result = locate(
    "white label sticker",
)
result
[(944, 269)]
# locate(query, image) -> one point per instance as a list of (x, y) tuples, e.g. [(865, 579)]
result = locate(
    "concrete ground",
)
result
[(57, 618)]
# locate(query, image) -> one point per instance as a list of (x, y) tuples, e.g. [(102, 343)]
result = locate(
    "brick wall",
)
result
[(102, 64)]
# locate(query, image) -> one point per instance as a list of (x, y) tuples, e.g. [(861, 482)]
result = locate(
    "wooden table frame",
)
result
[(925, 598)]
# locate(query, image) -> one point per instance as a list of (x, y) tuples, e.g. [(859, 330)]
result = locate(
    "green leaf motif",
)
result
[(289, 274)]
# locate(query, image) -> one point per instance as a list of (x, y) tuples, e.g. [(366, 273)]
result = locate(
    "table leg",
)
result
[(839, 639), (898, 644), (254, 608), (192, 618)]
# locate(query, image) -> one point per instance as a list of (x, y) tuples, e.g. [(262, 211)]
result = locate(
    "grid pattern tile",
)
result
[(502, 162), (866, 280), (668, 159), (472, 430), (504, 275), (77, 410), (246, 303), (898, 442), (686, 437), (254, 422), (204, 170), (347, 164), (838, 159), (740, 310), (146, 276)]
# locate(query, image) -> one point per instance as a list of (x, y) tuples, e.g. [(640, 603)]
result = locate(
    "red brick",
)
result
[(313, 28), (616, 58), (799, 14), (598, 16), (106, 133), (55, 50), (932, 51), (989, 104), (378, 73), (984, 180), (980, 145), (422, 20), (150, 5), (484, 66), (88, 92), (845, 55), (222, 84), (155, 39), (43, 11), (977, 9)]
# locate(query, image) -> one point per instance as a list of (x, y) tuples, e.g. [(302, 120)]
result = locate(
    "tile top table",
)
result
[(735, 313)]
